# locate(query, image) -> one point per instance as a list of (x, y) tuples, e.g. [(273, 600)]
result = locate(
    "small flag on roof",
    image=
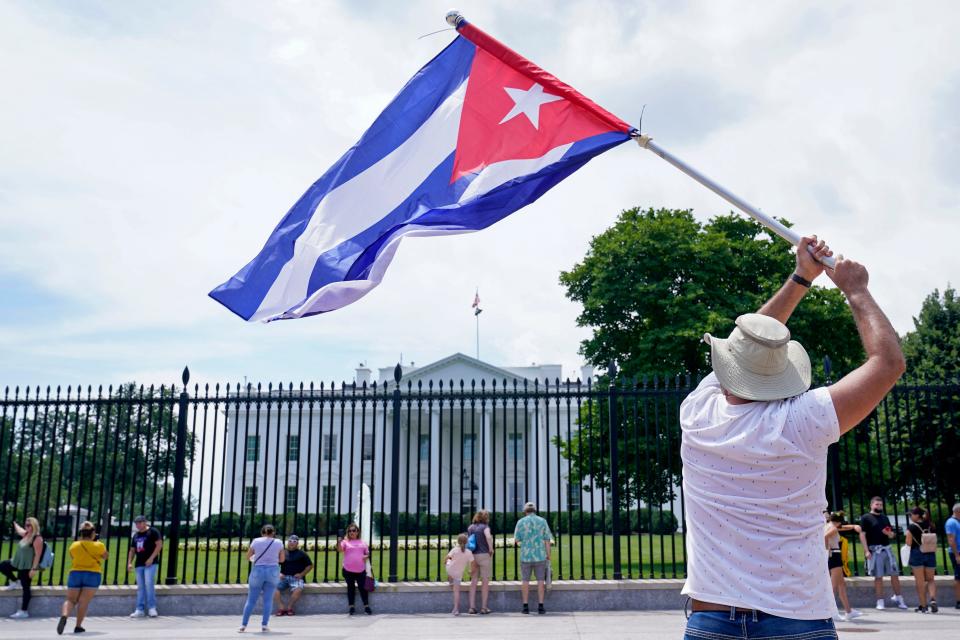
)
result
[(475, 135)]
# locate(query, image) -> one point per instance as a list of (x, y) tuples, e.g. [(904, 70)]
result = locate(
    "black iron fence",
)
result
[(411, 463)]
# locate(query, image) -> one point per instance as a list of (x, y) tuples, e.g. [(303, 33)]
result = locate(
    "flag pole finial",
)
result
[(454, 18)]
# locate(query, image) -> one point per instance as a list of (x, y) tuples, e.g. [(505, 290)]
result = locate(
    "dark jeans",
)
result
[(356, 581), (717, 625), (23, 575)]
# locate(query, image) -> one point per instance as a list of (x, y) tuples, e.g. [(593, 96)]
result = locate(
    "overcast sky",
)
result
[(148, 149)]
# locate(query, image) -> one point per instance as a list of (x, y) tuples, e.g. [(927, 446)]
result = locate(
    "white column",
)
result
[(435, 459), (488, 449)]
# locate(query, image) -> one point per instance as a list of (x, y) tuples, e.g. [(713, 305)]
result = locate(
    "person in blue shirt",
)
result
[(953, 539)]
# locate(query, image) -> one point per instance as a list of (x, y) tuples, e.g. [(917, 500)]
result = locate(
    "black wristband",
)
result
[(801, 280)]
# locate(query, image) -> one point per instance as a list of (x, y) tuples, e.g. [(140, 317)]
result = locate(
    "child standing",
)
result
[(457, 561)]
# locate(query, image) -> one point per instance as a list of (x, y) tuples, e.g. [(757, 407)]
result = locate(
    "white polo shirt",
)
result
[(754, 478)]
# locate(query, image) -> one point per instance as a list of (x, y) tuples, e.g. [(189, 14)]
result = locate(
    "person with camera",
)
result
[(267, 554), (86, 571), (355, 555), (25, 564)]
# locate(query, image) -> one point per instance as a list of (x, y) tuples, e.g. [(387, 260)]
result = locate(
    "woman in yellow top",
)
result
[(86, 556)]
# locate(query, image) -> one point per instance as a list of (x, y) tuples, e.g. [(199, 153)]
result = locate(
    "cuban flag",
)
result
[(476, 134)]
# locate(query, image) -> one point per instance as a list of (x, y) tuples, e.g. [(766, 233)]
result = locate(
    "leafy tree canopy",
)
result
[(658, 279), (932, 349)]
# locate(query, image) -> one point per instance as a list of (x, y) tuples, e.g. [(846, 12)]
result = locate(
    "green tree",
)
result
[(657, 280), (650, 286), (932, 351), (111, 451)]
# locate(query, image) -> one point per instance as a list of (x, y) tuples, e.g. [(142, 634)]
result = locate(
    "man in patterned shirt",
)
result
[(532, 535), (754, 450)]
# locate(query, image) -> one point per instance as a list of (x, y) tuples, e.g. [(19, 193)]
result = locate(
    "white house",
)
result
[(459, 451)]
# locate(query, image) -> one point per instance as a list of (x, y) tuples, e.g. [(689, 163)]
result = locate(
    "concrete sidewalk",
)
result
[(659, 625)]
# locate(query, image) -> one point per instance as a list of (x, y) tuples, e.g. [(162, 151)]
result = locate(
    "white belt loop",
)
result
[(754, 615), (733, 614)]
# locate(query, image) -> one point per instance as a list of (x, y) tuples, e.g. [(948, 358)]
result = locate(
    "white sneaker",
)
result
[(20, 615), (12, 586), (840, 617), (854, 614), (900, 603), (153, 613), (880, 604), (137, 614)]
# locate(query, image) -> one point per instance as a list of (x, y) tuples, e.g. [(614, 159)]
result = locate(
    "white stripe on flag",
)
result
[(498, 173), (339, 294), (380, 189)]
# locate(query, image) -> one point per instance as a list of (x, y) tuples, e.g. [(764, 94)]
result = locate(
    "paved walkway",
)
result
[(659, 625)]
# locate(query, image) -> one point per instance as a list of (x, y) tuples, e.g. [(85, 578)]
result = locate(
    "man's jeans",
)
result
[(717, 625), (146, 587)]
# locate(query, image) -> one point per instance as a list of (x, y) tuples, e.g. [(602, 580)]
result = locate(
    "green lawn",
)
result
[(574, 557)]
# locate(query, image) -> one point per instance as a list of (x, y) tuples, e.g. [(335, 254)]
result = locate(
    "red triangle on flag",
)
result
[(507, 115)]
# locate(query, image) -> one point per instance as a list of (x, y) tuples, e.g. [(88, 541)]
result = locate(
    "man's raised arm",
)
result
[(784, 301), (861, 390)]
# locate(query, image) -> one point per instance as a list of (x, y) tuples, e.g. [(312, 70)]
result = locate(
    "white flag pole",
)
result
[(787, 234)]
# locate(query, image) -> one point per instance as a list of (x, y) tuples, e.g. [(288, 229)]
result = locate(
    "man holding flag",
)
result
[(480, 132), (754, 448)]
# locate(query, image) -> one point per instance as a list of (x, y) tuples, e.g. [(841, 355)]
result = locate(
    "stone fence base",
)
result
[(421, 597)]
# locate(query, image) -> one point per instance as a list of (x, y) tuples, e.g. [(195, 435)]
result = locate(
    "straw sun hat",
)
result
[(759, 361)]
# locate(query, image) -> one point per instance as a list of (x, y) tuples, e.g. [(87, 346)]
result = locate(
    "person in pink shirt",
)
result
[(355, 553), (458, 560)]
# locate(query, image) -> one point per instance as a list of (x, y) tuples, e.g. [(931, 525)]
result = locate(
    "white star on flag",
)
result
[(528, 103)]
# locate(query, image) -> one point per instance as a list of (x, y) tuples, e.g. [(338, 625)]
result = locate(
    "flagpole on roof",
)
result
[(476, 314)]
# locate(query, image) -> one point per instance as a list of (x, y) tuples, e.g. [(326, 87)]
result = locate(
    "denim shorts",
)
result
[(289, 582), (920, 559), (719, 625), (83, 580)]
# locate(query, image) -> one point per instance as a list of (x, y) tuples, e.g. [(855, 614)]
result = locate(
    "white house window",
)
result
[(424, 446), (330, 447), (328, 496), (516, 495), (515, 446), (250, 500), (469, 444), (573, 496), (291, 498), (423, 498), (293, 448), (368, 446), (253, 448)]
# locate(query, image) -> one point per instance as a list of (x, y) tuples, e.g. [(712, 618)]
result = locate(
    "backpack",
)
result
[(46, 557), (472, 542), (928, 542)]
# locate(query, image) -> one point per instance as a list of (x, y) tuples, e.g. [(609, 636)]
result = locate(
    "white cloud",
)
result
[(146, 158)]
